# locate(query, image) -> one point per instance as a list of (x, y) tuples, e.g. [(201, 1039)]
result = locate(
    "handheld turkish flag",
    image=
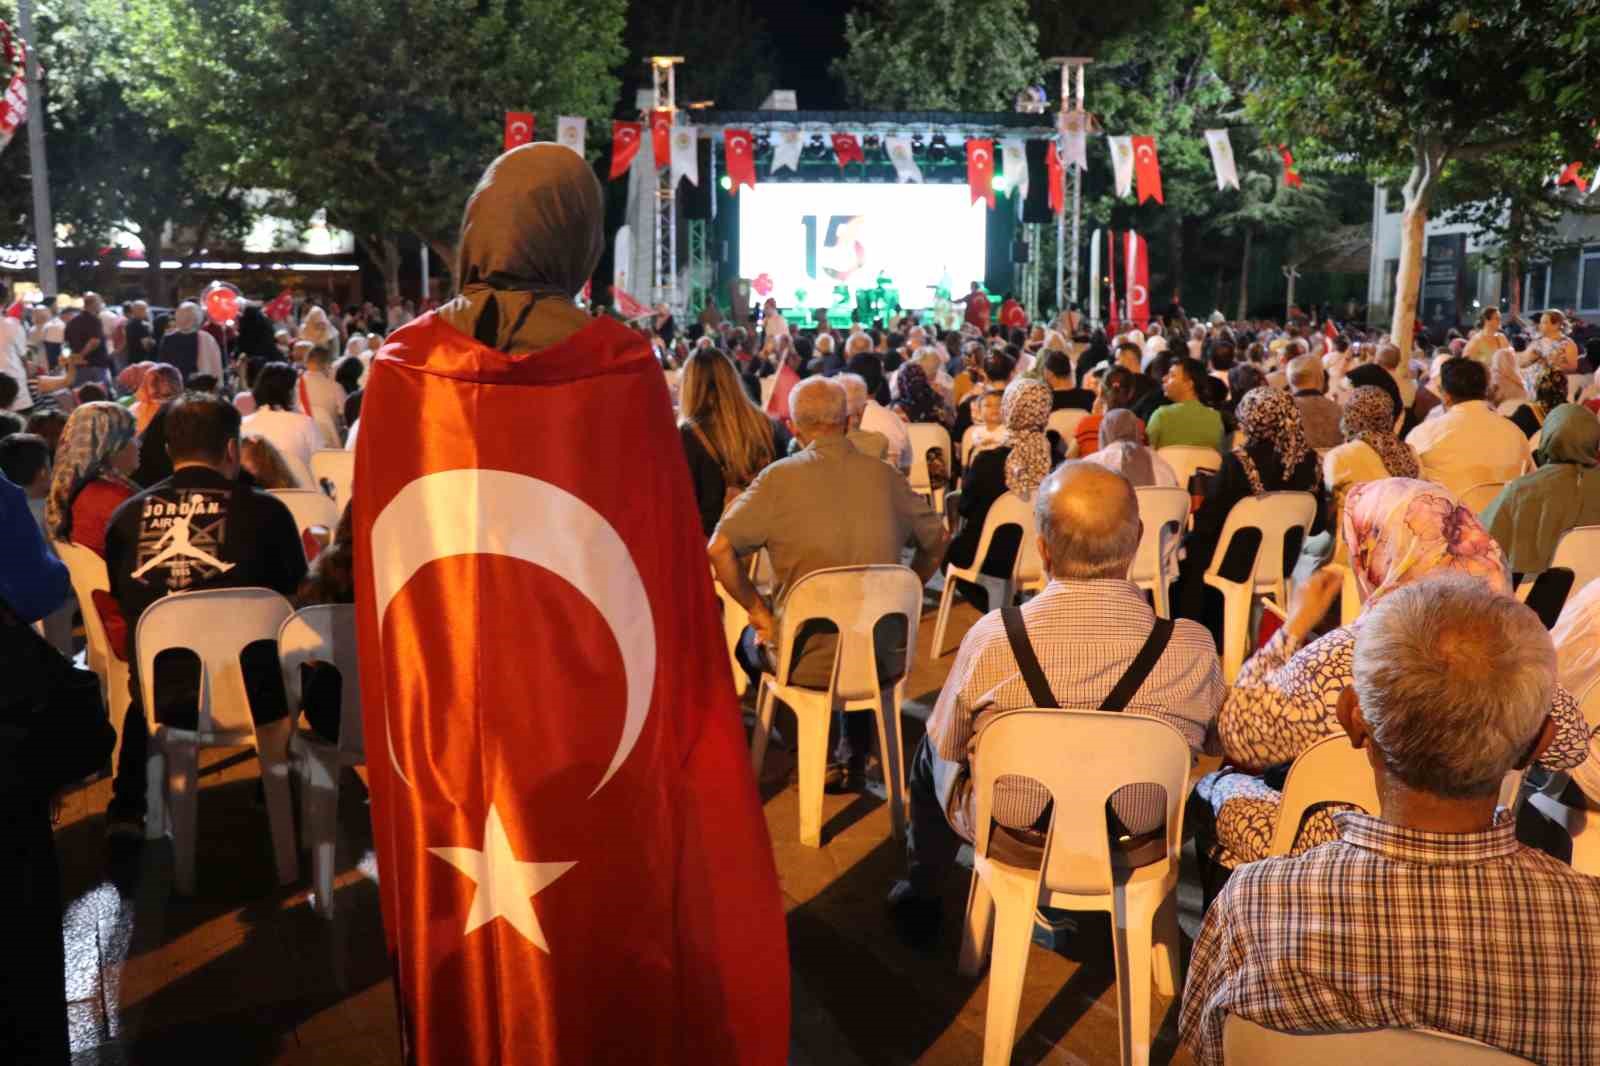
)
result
[(627, 306), (624, 146), (1057, 177), (980, 170), (519, 129), (1137, 258), (661, 137), (280, 307), (1290, 178), (574, 863), (736, 148), (1147, 169), (847, 149)]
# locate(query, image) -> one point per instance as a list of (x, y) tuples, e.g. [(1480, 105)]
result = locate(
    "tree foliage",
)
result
[(729, 55), (939, 55)]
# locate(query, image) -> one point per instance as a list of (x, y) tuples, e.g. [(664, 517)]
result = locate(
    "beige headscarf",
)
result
[(530, 237)]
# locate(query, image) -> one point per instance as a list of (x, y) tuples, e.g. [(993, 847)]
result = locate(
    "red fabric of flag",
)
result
[(574, 863), (1057, 175), (624, 146), (280, 307), (627, 306), (1137, 261), (847, 149), (980, 170), (1147, 169), (1573, 176), (1290, 178), (519, 129), (737, 148), (661, 137)]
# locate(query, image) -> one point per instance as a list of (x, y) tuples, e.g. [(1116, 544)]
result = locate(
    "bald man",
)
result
[(1086, 631)]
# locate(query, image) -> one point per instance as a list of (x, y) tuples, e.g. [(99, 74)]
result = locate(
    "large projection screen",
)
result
[(808, 238)]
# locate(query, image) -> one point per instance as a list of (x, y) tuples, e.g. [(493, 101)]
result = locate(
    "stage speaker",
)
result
[(1020, 252), (1036, 208)]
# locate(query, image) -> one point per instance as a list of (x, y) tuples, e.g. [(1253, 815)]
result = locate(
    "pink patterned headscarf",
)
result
[(1400, 530)]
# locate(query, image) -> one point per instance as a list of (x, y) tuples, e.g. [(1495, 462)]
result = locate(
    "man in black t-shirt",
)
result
[(198, 529), (86, 340)]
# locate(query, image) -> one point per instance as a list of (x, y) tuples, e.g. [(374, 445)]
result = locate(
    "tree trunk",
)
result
[(445, 255), (1244, 276), (1429, 160), (389, 264), (1513, 262)]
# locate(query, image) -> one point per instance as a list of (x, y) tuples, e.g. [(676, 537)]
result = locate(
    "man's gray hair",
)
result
[(859, 342), (1089, 516), (818, 402), (1306, 372), (931, 360), (1455, 681), (824, 344), (855, 391)]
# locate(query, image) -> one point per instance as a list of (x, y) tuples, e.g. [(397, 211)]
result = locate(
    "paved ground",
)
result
[(245, 972)]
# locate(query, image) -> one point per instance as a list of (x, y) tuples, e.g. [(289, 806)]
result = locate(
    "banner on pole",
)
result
[(685, 160), (1222, 159), (571, 130), (519, 129), (980, 170), (905, 166), (786, 151), (624, 146), (1122, 163), (736, 145), (1148, 169)]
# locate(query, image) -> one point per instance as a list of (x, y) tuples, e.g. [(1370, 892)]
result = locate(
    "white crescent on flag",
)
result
[(1146, 153), (627, 135), (980, 155), (740, 145)]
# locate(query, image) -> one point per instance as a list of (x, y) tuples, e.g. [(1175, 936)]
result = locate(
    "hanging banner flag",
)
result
[(1057, 176), (847, 149), (1112, 323), (1137, 261), (1122, 163), (899, 149), (1075, 138), (736, 145), (661, 137), (685, 160), (1222, 159), (1014, 165), (572, 131), (1148, 169), (622, 259), (1290, 178), (786, 151), (980, 170), (1094, 277), (624, 146), (519, 129), (1572, 176)]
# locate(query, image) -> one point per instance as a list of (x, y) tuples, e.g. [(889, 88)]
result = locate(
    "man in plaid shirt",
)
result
[(1431, 916)]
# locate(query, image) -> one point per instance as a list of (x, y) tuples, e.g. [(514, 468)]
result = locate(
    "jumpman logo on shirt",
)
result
[(179, 545)]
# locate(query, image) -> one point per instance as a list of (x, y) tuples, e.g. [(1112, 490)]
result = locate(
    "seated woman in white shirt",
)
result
[(294, 435)]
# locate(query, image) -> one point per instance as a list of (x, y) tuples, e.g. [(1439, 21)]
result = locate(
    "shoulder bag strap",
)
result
[(1027, 661), (1139, 670)]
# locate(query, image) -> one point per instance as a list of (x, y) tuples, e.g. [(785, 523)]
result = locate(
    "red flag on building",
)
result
[(1147, 169), (661, 137), (1112, 322), (736, 147), (519, 129), (1057, 175), (847, 149), (980, 170), (1573, 176), (1290, 178), (624, 146), (558, 887), (1137, 260)]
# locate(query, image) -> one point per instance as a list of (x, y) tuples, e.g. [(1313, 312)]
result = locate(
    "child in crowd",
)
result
[(990, 429)]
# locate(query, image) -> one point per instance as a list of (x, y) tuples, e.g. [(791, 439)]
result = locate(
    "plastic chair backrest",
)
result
[(309, 507), (1579, 551), (923, 436), (335, 467), (1480, 496), (854, 599), (1081, 757), (1244, 1043), (326, 631), (1009, 509), (1163, 512), (1274, 514), (1187, 459), (1065, 423), (215, 624), (88, 573)]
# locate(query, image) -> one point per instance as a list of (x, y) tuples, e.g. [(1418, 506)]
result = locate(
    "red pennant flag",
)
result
[(624, 146), (736, 146), (847, 149), (1111, 280), (1147, 169), (1057, 175), (1290, 178), (778, 402), (1329, 331), (628, 307), (1572, 176), (661, 137), (980, 170), (1137, 263), (519, 129), (612, 867)]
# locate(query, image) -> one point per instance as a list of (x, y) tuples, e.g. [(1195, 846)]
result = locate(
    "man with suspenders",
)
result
[(1088, 641)]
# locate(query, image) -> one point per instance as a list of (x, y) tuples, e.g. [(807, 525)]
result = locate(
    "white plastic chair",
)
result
[(325, 632), (1008, 510), (1478, 498), (1163, 512), (1065, 423), (311, 509), (88, 572), (215, 624), (853, 599), (1244, 1043), (735, 619), (333, 470), (1273, 514), (1108, 751), (1187, 460), (924, 436)]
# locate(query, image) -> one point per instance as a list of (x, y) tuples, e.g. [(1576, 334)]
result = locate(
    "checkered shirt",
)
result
[(1085, 635), (1394, 928)]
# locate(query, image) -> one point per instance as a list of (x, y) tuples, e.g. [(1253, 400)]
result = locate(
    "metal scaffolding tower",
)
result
[(1074, 116), (664, 98), (699, 269)]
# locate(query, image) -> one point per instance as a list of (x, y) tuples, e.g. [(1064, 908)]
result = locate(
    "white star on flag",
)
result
[(506, 885)]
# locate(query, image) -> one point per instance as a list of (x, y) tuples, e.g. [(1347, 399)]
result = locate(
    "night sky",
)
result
[(809, 37)]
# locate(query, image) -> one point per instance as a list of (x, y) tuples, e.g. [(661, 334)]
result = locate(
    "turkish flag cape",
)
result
[(624, 146), (574, 863), (1057, 175), (661, 137), (1137, 258), (736, 148), (980, 170), (847, 149), (519, 129), (1147, 169)]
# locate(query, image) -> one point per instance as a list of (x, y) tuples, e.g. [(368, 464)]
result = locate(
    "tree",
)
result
[(1265, 203), (939, 55), (1412, 83), (1085, 30), (728, 54)]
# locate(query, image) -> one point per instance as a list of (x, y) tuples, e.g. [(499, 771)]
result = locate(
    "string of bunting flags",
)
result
[(14, 104)]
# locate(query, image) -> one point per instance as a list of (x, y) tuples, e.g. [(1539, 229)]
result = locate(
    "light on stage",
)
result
[(1000, 184), (726, 182)]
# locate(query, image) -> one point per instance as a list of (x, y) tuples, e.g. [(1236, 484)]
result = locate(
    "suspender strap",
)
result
[(1124, 690), (1027, 661), (1140, 668)]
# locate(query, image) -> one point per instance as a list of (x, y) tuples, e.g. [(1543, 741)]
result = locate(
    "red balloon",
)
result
[(222, 304)]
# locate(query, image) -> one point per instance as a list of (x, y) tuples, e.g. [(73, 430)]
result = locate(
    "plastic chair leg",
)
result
[(1015, 900), (155, 792), (946, 599), (892, 756), (812, 723), (1235, 630), (978, 928), (319, 823), (1131, 935), (763, 727), (1166, 949), (182, 783), (1159, 594), (272, 747)]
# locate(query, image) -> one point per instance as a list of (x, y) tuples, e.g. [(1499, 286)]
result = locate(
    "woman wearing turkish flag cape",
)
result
[(573, 862)]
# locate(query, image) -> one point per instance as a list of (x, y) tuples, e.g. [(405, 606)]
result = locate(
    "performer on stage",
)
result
[(977, 308), (574, 863)]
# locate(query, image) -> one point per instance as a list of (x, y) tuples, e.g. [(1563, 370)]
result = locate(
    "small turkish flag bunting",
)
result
[(519, 129), (1147, 169), (1290, 178), (980, 170), (847, 149), (736, 145), (661, 137), (624, 146)]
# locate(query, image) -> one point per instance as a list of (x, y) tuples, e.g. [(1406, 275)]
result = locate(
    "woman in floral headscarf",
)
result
[(916, 401), (159, 384), (1371, 451), (1399, 531)]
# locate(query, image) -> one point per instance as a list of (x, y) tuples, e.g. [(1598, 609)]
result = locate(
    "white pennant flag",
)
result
[(899, 149), (570, 131), (1222, 158), (1122, 163), (1014, 164), (685, 160), (1075, 139), (786, 151)]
